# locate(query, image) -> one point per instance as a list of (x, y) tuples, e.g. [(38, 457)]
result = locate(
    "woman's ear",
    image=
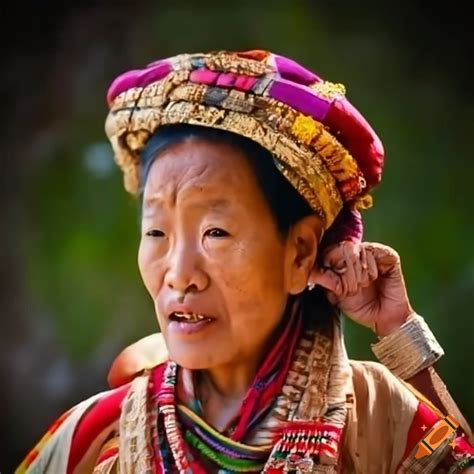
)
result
[(302, 249)]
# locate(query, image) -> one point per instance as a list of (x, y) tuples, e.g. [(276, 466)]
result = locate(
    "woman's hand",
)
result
[(365, 281)]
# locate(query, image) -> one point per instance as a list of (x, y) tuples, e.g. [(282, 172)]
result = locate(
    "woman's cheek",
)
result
[(228, 270), (150, 264)]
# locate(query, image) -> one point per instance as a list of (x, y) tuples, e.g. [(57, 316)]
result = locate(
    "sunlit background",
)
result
[(71, 296)]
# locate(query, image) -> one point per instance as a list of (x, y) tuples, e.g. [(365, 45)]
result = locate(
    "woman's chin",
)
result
[(196, 358)]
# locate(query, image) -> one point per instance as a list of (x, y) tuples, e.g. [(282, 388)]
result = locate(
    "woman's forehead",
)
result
[(214, 200), (205, 173), (198, 162)]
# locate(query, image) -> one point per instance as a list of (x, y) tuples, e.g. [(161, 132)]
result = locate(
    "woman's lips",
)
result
[(188, 323), (183, 327)]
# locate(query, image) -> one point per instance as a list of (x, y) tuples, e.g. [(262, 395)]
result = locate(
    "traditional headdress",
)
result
[(319, 141)]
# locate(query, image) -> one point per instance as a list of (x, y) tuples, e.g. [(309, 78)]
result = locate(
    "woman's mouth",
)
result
[(188, 323)]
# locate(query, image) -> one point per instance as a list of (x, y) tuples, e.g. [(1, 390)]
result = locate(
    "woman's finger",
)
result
[(372, 266), (356, 261), (363, 258), (365, 278), (334, 258), (351, 277), (387, 258), (327, 279)]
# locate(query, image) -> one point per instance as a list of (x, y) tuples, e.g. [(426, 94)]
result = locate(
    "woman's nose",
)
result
[(184, 270)]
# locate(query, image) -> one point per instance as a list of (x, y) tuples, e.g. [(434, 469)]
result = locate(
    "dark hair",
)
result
[(286, 205)]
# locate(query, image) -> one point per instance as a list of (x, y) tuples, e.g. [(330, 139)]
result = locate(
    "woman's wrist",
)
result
[(385, 329), (409, 349)]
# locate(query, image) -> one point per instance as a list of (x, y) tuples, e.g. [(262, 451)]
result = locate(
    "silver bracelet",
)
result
[(410, 349)]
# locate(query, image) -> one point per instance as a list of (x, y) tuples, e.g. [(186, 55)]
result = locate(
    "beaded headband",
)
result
[(319, 141)]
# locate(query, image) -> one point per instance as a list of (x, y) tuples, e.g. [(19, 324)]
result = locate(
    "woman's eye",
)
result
[(215, 232), (155, 233)]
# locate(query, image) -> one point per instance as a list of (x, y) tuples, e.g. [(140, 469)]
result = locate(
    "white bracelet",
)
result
[(410, 349)]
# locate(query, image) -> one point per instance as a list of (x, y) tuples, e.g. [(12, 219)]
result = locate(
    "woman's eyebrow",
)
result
[(215, 204), (156, 202), (218, 205), (151, 204)]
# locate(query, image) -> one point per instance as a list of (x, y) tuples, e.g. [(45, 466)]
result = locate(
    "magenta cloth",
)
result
[(245, 83), (226, 79), (354, 132), (138, 78), (347, 226), (300, 98), (204, 76), (290, 69)]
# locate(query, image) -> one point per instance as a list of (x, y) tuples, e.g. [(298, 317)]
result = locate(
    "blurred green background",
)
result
[(71, 296)]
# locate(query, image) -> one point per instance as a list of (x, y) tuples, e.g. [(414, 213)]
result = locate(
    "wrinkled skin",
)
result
[(364, 280)]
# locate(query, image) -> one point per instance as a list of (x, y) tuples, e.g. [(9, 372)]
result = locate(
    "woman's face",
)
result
[(211, 257)]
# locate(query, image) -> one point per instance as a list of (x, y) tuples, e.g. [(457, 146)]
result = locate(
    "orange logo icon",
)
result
[(435, 436)]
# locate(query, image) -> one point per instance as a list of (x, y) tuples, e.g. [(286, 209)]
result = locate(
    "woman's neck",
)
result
[(221, 391), (229, 381)]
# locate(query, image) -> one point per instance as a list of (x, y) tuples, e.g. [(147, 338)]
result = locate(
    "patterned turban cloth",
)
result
[(319, 141)]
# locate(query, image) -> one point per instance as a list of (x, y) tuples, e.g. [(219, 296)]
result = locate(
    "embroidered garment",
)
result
[(331, 415)]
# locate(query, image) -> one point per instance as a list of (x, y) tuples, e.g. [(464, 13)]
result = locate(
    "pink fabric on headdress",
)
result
[(245, 83), (204, 76), (293, 71), (137, 78), (159, 62), (226, 80), (342, 118), (347, 226), (220, 79), (300, 98), (355, 133)]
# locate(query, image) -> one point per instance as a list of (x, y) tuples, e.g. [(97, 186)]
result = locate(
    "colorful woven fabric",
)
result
[(76, 435), (137, 443), (320, 142)]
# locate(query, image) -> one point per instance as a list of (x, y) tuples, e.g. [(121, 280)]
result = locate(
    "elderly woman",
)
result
[(252, 172)]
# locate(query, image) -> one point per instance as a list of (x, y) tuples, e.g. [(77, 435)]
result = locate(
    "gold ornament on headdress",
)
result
[(319, 167)]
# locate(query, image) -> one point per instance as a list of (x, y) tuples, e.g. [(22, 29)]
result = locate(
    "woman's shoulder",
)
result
[(373, 378), (75, 438)]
